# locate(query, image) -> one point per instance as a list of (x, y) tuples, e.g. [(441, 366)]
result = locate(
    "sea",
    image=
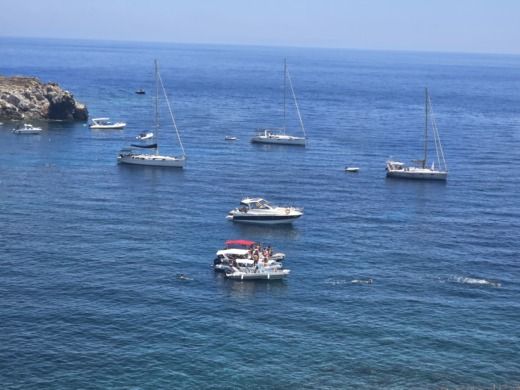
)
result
[(394, 284)]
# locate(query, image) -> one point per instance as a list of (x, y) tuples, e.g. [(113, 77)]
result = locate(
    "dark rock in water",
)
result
[(28, 98)]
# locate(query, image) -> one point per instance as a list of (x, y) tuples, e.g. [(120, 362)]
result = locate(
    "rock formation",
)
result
[(24, 98)]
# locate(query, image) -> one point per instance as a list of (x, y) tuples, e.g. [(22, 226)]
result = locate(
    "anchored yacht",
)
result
[(135, 155), (27, 129), (258, 210), (273, 136), (421, 170), (106, 124), (278, 136)]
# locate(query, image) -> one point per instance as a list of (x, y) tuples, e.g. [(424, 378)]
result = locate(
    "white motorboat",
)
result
[(27, 129), (144, 136), (106, 124), (397, 169), (134, 154), (278, 136), (258, 210), (244, 253), (352, 169), (230, 138)]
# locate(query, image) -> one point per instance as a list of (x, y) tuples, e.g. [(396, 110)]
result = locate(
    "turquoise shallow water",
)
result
[(90, 250)]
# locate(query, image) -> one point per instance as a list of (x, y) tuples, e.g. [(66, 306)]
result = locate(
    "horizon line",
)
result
[(429, 51)]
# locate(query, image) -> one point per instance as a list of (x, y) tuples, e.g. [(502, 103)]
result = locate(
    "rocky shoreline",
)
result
[(27, 98)]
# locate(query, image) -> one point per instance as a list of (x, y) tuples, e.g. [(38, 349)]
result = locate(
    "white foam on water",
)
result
[(476, 281), (341, 282)]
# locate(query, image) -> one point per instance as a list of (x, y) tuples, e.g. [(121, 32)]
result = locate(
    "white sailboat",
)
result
[(278, 135), (421, 171), (134, 154)]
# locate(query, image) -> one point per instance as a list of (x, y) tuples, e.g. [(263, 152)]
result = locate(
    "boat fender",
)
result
[(287, 211)]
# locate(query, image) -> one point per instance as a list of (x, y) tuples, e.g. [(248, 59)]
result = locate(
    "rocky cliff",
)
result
[(24, 98)]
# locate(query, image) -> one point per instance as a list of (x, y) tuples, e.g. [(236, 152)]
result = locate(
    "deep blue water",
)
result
[(89, 250)]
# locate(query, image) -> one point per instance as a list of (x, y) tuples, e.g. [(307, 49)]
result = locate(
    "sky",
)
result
[(484, 26)]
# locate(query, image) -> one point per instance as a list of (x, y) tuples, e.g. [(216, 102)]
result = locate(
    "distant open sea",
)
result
[(90, 250)]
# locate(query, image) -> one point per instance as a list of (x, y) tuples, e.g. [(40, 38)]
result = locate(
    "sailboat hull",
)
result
[(417, 174), (279, 140), (152, 160)]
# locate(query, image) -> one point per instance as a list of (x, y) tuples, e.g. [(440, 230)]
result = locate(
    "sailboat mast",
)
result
[(296, 104), (425, 127), (156, 131), (284, 92)]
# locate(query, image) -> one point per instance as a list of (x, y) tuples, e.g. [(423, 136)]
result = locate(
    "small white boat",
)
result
[(144, 136), (134, 154), (27, 129), (106, 124), (397, 169), (230, 138), (352, 169), (260, 211), (278, 136)]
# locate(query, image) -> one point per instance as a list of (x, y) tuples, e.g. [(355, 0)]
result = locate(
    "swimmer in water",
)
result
[(362, 281)]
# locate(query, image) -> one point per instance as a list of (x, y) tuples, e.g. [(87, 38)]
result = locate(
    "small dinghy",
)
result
[(144, 136), (140, 92), (352, 169), (230, 138)]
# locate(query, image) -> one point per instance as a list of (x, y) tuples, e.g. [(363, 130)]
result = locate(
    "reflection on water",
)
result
[(264, 233), (250, 288), (147, 174)]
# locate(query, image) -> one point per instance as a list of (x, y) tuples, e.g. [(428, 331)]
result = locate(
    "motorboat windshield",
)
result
[(256, 203)]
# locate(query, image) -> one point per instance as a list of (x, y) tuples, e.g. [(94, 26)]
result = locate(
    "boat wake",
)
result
[(475, 281), (341, 282)]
